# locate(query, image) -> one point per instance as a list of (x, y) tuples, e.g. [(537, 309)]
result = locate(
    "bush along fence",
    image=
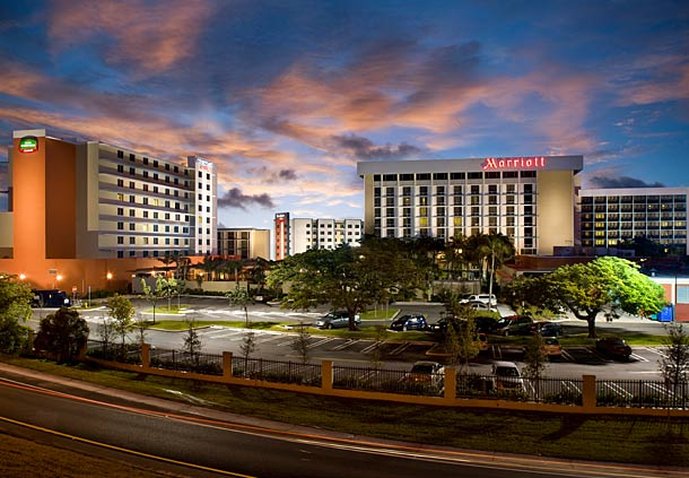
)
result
[(586, 395)]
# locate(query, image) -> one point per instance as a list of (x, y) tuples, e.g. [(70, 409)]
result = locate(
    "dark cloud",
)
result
[(622, 182), (364, 148), (234, 198), (287, 174)]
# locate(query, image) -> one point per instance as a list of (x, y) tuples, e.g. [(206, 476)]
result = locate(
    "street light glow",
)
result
[(108, 276)]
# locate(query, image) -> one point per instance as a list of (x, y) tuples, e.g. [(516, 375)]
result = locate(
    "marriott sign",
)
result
[(514, 163)]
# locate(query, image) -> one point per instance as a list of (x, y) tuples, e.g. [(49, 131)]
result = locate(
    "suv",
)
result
[(488, 299), (409, 322), (507, 378), (336, 320)]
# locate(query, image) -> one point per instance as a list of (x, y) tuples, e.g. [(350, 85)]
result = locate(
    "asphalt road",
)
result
[(207, 445)]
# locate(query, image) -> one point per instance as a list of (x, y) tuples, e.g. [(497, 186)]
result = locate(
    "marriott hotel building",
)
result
[(531, 199)]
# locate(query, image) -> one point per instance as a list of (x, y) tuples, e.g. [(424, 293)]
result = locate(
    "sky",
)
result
[(286, 96)]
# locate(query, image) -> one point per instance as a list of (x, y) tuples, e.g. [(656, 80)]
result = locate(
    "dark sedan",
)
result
[(613, 347), (409, 322)]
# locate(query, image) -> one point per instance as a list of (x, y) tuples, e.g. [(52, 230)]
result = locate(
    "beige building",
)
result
[(531, 199), (297, 235), (247, 243)]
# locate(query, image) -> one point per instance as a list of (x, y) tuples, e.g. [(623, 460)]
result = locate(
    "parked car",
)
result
[(552, 347), (514, 325), (548, 329), (50, 298), (614, 347), (336, 320), (488, 299), (409, 322), (507, 377), (485, 325), (426, 373), (478, 305)]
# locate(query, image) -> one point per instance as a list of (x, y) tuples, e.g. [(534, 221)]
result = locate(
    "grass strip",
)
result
[(599, 438)]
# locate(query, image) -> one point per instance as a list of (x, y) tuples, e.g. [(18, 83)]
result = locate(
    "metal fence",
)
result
[(123, 353), (179, 360), (277, 371), (642, 393), (543, 390), (373, 379)]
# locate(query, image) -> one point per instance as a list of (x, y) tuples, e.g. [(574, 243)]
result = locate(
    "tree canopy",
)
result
[(346, 278), (62, 334), (15, 309), (586, 290)]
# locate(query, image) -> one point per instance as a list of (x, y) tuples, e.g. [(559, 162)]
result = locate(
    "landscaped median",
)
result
[(589, 437)]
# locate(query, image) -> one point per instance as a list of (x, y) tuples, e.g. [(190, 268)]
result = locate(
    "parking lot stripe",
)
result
[(401, 348), (639, 358), (347, 344), (321, 342), (567, 356), (372, 347)]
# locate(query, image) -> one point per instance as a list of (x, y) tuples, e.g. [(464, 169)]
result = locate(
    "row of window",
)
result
[(454, 176), (151, 189), (676, 198), (457, 190), (151, 177), (154, 202), (613, 208), (155, 253), (155, 163), (154, 214), (529, 243), (457, 211), (458, 200)]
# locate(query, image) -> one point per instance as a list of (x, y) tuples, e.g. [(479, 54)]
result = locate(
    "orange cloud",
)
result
[(153, 36)]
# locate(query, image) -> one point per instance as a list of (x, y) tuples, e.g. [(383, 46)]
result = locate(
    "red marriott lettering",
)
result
[(513, 163)]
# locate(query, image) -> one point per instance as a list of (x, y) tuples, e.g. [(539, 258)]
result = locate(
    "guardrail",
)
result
[(559, 395)]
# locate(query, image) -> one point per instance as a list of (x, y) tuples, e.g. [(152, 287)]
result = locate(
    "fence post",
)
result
[(450, 384), (227, 364), (146, 356), (588, 397), (327, 375)]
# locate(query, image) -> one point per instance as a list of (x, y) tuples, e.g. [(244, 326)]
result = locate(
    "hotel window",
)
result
[(120, 254), (120, 239), (132, 226), (131, 185), (389, 201), (120, 197), (167, 215), (475, 189), (388, 177), (120, 168), (132, 212), (423, 177), (457, 175), (155, 176), (155, 240), (145, 213), (155, 163), (475, 221), (145, 174), (509, 210), (457, 221), (475, 211), (145, 160), (145, 186), (458, 211), (145, 201), (527, 174), (440, 200), (132, 171), (406, 177), (132, 240), (474, 175), (132, 158), (120, 226), (120, 183), (132, 199), (509, 174), (528, 210), (120, 154), (167, 167), (440, 176)]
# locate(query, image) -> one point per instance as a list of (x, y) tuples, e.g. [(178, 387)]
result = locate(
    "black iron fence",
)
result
[(124, 353), (642, 393), (183, 361), (277, 371), (542, 390), (373, 379), (618, 393)]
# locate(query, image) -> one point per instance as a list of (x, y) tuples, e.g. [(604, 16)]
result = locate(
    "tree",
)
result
[(192, 343), (153, 294), (494, 250), (169, 288), (674, 365), (15, 309), (602, 285), (536, 360), (62, 334), (461, 339), (106, 332), (246, 348), (300, 344), (346, 278), (122, 312), (241, 298)]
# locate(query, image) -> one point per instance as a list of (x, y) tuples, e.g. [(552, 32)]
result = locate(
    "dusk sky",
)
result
[(287, 96)]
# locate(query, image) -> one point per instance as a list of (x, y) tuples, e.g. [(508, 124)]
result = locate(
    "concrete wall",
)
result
[(556, 203)]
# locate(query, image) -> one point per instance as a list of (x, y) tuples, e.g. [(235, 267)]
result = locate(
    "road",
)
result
[(575, 362), (205, 447)]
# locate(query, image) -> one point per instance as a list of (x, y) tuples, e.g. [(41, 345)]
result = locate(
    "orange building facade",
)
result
[(39, 236)]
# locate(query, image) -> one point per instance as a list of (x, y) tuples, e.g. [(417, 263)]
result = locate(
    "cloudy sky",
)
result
[(286, 96)]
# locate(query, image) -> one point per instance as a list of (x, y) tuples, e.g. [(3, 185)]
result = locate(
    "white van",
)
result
[(488, 299)]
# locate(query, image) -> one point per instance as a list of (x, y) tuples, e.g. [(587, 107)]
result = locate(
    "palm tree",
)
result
[(495, 249)]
